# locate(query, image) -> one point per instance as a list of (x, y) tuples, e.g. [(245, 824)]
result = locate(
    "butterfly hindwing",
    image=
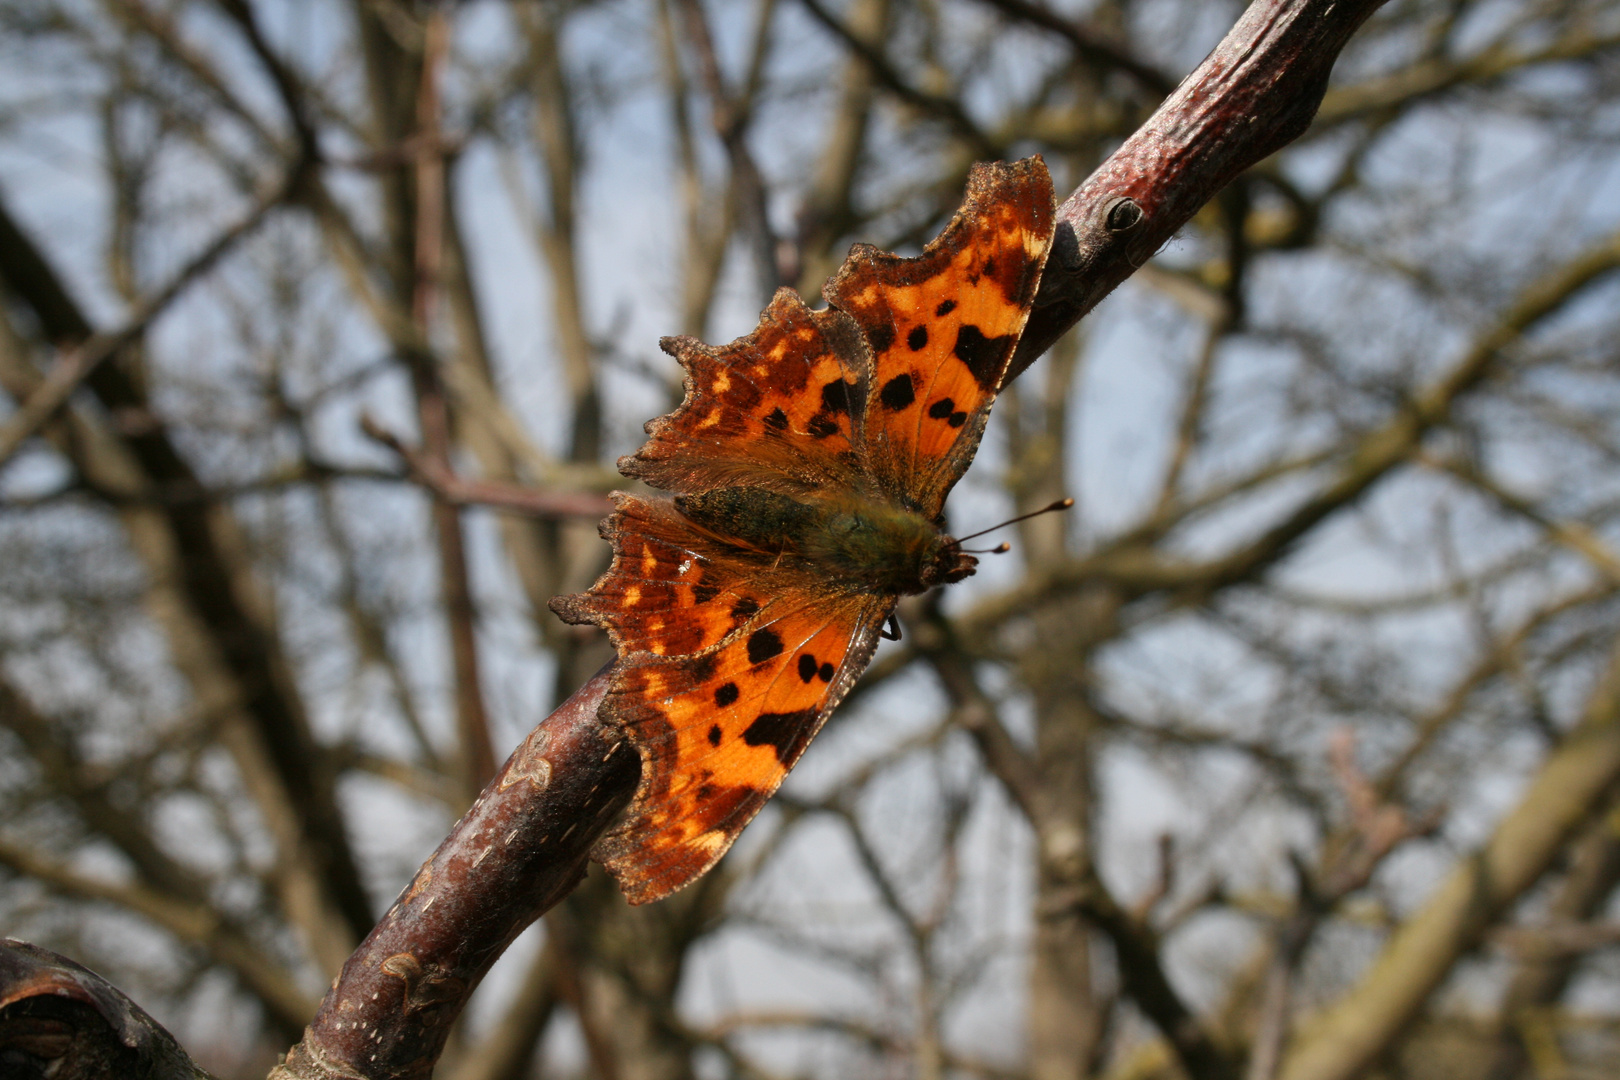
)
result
[(943, 326), (727, 667), (666, 592)]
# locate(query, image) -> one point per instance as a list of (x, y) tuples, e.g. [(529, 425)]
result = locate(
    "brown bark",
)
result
[(508, 1051), (1539, 982), (59, 1020), (520, 849), (1256, 93)]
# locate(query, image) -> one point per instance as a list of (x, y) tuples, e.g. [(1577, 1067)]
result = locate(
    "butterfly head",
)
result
[(948, 564)]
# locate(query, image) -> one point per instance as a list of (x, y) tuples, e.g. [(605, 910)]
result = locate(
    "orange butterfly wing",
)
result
[(942, 328), (728, 666), (778, 408)]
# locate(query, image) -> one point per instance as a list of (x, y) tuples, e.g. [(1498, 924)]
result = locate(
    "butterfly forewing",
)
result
[(942, 328), (774, 409)]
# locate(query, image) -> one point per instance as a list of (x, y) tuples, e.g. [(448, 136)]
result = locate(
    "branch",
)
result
[(439, 479), (1436, 74), (197, 559), (60, 1020), (1144, 979), (1554, 941), (1253, 95), (972, 710), (1563, 795), (1132, 565), (730, 114), (1575, 535), (519, 850), (192, 922), (947, 108), (1088, 45)]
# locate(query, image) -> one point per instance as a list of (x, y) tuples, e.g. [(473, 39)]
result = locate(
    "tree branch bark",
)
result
[(521, 848), (1253, 95)]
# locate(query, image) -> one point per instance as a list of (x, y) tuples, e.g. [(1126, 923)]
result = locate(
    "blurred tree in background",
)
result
[(1293, 751)]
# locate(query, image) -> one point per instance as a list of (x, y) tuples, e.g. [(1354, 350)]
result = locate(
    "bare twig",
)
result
[(946, 108), (433, 412), (730, 114), (1558, 800), (496, 494), (1088, 45), (1253, 95), (195, 923), (79, 358), (1376, 828), (1575, 535)]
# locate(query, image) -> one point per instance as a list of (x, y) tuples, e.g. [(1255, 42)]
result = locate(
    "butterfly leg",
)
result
[(891, 632)]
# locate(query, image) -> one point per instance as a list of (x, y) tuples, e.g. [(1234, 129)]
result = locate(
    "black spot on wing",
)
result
[(942, 408), (880, 337), (822, 425), (945, 308), (762, 645), (786, 733), (835, 397), (826, 673), (956, 419), (898, 392), (918, 338), (699, 669), (722, 803), (807, 667), (723, 697), (702, 594), (744, 609), (983, 356), (714, 732), (776, 420)]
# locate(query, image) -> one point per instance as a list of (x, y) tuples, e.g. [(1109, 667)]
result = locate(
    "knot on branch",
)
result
[(1122, 214), (1091, 236)]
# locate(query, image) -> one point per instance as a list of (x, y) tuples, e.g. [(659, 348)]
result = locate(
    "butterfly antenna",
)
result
[(1061, 504)]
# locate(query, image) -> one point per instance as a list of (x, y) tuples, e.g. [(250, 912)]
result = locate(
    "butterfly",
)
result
[(810, 463)]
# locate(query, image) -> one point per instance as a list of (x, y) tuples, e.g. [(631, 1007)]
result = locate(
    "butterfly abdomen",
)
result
[(751, 517)]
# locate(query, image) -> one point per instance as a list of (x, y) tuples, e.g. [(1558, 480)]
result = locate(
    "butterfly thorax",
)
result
[(867, 542)]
